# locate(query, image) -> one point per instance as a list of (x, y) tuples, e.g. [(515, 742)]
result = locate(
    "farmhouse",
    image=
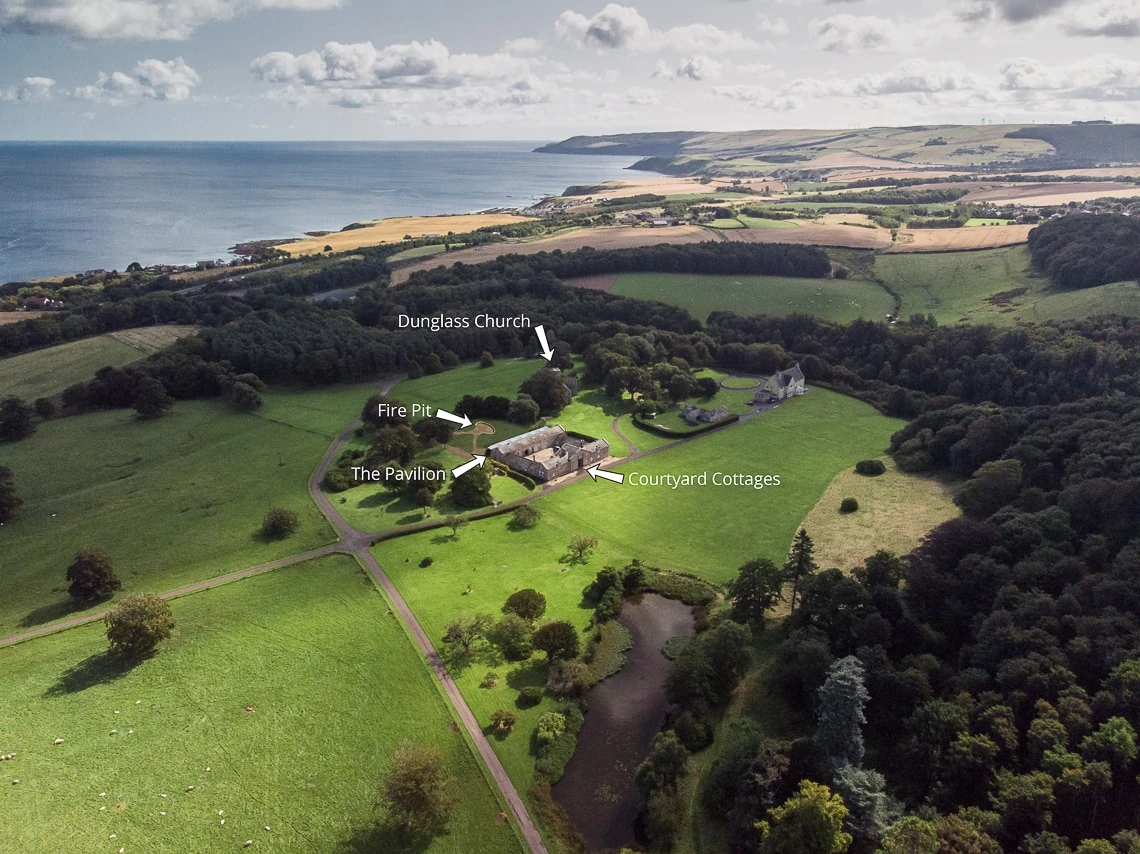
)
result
[(781, 385), (548, 453), (695, 415)]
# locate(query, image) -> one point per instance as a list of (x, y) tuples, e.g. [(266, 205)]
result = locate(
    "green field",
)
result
[(975, 222), (152, 495), (830, 299), (46, 372), (728, 224), (710, 531), (335, 684), (997, 286), (419, 252), (764, 222)]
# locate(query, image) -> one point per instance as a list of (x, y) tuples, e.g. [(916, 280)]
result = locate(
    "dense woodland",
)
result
[(1084, 251), (979, 695)]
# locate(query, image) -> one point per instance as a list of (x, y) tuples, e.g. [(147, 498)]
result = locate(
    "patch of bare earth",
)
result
[(610, 237), (960, 239), (17, 316)]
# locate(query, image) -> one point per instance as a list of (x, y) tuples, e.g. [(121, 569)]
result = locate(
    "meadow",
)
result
[(42, 373), (996, 286), (334, 684), (830, 299), (150, 493), (393, 231), (710, 531), (896, 510)]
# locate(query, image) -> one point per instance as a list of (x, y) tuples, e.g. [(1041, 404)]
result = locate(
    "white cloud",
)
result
[(759, 97), (362, 75), (852, 33), (694, 68), (1097, 78), (914, 76), (150, 80), (522, 46), (133, 19), (641, 97), (1113, 19), (775, 26), (1019, 11), (28, 90), (618, 27)]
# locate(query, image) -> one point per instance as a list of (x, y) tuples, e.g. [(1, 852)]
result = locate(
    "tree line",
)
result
[(1083, 251)]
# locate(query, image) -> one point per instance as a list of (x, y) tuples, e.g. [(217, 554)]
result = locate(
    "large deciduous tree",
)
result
[(137, 624), (472, 489), (558, 639), (527, 603), (17, 420), (92, 575), (416, 791), (10, 503), (151, 400), (809, 822), (755, 591)]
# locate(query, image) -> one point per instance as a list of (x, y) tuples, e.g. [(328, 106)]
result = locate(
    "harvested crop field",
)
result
[(17, 316), (961, 239), (610, 237), (1056, 194), (846, 236), (151, 339), (393, 230)]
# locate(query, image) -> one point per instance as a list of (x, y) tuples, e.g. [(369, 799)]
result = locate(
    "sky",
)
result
[(548, 69)]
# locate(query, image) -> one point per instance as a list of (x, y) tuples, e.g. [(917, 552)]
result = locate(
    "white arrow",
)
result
[(596, 472), (466, 467), (454, 419), (547, 353)]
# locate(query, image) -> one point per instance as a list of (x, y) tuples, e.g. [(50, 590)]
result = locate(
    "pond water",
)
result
[(598, 790)]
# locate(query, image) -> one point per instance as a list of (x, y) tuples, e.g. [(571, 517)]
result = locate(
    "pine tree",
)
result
[(841, 700), (800, 563)]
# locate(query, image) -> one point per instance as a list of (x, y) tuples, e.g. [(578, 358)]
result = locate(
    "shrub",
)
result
[(527, 603), (514, 637), (426, 562), (486, 360), (870, 468), (490, 680), (525, 517), (503, 720), (279, 522), (567, 679), (529, 696), (44, 407), (550, 726), (848, 505)]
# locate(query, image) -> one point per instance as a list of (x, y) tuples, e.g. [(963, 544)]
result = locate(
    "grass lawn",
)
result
[(152, 494), (336, 687), (996, 286), (740, 383), (895, 511), (727, 224), (698, 530), (42, 373), (829, 299), (764, 222)]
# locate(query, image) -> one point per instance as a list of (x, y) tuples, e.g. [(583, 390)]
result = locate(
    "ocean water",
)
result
[(69, 207)]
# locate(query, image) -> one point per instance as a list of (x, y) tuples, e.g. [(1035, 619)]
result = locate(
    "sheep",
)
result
[(189, 788), (58, 741), (247, 843)]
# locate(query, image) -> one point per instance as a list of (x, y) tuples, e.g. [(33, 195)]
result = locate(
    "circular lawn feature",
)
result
[(739, 383)]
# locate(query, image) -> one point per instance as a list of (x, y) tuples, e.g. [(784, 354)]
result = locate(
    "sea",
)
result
[(67, 207)]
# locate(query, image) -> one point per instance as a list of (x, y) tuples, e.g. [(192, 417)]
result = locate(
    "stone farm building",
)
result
[(782, 385), (548, 453), (695, 415)]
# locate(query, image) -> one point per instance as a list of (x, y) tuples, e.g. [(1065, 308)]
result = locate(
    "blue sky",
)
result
[(369, 69)]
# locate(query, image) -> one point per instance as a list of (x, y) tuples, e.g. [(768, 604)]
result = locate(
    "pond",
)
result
[(598, 790)]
